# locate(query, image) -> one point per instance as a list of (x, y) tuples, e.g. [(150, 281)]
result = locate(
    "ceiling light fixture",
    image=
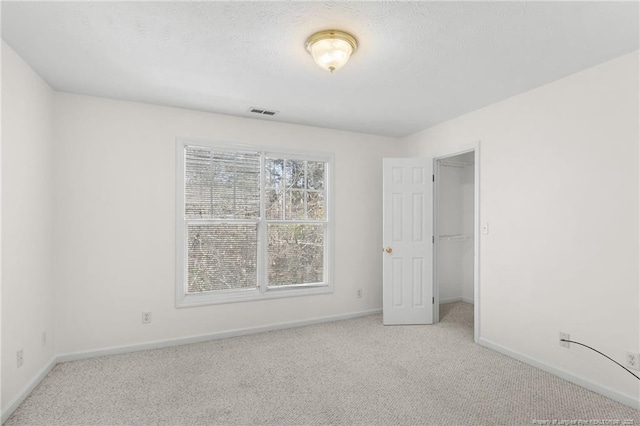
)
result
[(331, 49)]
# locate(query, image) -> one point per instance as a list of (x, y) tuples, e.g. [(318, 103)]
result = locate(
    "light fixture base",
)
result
[(331, 49), (331, 34)]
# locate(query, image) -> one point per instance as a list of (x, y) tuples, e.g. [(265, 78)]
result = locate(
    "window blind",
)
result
[(221, 186)]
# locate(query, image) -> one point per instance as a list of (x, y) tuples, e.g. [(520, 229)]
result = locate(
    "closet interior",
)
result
[(455, 228)]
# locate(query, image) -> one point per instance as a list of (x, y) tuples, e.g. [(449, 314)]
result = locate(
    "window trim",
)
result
[(263, 291)]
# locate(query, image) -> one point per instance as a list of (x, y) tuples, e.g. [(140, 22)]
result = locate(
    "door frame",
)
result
[(473, 147)]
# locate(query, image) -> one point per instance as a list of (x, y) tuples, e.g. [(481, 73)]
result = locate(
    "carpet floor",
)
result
[(353, 372)]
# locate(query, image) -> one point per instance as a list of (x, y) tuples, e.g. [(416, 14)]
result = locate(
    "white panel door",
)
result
[(407, 237)]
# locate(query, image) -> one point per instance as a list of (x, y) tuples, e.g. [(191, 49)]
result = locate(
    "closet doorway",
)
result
[(455, 233)]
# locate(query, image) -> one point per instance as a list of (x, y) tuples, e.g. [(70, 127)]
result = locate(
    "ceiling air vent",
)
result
[(262, 111)]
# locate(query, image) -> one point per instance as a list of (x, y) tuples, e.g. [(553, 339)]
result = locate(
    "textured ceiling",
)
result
[(419, 63)]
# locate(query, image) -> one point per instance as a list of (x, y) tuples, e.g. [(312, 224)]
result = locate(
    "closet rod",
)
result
[(455, 164)]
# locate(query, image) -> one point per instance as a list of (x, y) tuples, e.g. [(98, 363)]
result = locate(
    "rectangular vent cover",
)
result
[(262, 111)]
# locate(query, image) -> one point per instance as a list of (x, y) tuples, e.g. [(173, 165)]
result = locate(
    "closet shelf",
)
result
[(455, 164), (456, 237)]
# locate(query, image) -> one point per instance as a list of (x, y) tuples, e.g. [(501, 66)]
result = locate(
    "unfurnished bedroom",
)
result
[(320, 213)]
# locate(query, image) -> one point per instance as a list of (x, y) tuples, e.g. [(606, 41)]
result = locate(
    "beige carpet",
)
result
[(347, 372)]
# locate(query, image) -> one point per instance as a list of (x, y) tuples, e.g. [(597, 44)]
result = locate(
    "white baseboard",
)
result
[(450, 300), (602, 390), (24, 393), (456, 299), (168, 343), (75, 356)]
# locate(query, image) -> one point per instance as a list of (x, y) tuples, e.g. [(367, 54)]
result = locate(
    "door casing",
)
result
[(475, 147)]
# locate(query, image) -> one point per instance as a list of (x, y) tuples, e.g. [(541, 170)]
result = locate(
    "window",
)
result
[(250, 224)]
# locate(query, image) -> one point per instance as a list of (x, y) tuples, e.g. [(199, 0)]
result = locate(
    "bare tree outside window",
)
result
[(295, 197)]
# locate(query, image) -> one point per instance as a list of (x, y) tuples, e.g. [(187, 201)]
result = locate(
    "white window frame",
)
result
[(263, 291)]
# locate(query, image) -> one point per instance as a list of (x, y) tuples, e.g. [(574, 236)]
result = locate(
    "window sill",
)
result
[(204, 299)]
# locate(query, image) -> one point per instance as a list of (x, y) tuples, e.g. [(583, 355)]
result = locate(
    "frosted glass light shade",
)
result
[(331, 49)]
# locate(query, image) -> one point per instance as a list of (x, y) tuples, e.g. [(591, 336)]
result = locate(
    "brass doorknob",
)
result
[(389, 250)]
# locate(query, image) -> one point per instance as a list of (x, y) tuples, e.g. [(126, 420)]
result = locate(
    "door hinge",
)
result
[(433, 239), (433, 300), (433, 178)]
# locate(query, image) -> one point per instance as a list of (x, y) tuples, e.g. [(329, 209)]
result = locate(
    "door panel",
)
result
[(407, 238)]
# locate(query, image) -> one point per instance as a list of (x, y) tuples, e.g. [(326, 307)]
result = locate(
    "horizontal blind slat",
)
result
[(222, 185)]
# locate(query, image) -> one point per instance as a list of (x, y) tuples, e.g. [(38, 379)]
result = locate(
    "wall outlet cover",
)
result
[(633, 360), (20, 357)]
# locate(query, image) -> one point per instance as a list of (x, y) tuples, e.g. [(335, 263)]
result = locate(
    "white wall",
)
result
[(114, 222), (450, 214), (467, 182), (1, 72), (27, 285), (559, 187)]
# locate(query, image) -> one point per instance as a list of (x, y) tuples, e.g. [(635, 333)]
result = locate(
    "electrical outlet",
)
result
[(359, 293), (43, 341), (20, 357), (633, 360), (146, 317), (566, 337)]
